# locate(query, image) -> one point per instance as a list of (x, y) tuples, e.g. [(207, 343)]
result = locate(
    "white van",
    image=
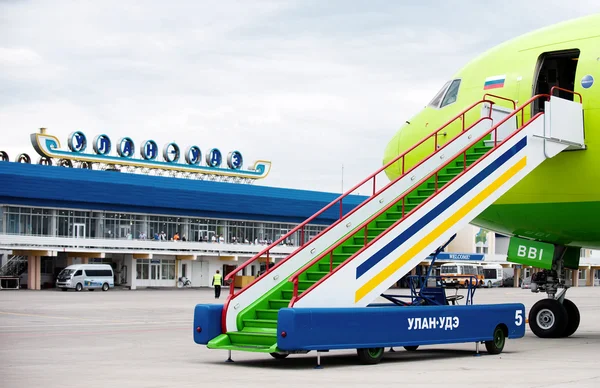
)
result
[(89, 276), (493, 275)]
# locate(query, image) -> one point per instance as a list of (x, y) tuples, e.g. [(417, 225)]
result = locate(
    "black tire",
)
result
[(78, 287), (548, 318), (279, 356), (411, 348), (573, 318), (370, 355), (105, 287), (489, 284), (496, 345)]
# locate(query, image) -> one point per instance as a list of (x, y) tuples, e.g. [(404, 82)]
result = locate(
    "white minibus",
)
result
[(88, 276), (493, 275)]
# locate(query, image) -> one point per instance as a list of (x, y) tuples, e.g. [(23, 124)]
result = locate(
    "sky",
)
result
[(309, 85)]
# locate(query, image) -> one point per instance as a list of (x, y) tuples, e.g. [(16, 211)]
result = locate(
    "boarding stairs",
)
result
[(11, 271), (367, 250)]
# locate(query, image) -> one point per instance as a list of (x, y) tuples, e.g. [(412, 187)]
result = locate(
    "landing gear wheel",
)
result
[(548, 318), (105, 287), (496, 345), (573, 318), (370, 356), (411, 348), (78, 287), (279, 356)]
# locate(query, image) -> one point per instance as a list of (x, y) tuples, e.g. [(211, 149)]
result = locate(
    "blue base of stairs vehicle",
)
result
[(428, 317), (305, 329)]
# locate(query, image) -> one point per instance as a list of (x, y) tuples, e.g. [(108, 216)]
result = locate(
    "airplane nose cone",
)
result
[(392, 151), (407, 136)]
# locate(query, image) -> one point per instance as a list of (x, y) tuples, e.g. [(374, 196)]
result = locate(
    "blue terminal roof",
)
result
[(61, 187)]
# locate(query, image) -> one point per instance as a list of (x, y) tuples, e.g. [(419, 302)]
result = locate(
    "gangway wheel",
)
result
[(279, 356), (370, 355), (496, 345)]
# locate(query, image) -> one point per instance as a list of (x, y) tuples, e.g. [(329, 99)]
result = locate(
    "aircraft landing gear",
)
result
[(554, 317), (548, 318), (573, 318)]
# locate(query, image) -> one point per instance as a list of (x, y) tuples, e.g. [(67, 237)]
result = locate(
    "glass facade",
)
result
[(155, 269), (27, 221), (110, 225)]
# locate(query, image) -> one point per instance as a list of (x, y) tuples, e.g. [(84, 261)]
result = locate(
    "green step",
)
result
[(440, 183), (385, 223), (470, 158), (248, 348), (278, 303), (454, 170), (393, 215), (361, 239), (446, 177), (266, 314), (351, 248), (324, 267), (248, 342), (252, 339), (407, 207), (339, 255), (305, 284), (415, 199), (289, 294), (460, 164), (372, 231), (260, 323), (318, 275)]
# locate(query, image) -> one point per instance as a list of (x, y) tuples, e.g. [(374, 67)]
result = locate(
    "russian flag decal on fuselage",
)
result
[(494, 82)]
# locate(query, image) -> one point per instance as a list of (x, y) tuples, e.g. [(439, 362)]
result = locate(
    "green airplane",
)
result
[(557, 203)]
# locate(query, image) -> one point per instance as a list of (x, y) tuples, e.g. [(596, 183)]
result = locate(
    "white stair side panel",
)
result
[(499, 113), (317, 246), (550, 148), (565, 120), (340, 289)]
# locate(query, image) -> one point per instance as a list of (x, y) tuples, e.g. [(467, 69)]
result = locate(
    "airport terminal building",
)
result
[(152, 221), (156, 219)]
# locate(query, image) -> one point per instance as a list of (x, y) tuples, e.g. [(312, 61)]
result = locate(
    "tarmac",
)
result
[(143, 338)]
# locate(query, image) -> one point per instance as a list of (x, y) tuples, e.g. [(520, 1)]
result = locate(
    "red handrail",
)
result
[(294, 278), (301, 226), (552, 89), (514, 104)]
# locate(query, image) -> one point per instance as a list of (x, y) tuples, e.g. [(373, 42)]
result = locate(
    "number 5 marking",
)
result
[(518, 317)]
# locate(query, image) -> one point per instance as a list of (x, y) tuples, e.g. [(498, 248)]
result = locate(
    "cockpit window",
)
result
[(435, 102), (452, 93), (447, 95)]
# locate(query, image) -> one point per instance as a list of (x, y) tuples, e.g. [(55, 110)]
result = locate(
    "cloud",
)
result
[(310, 85)]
